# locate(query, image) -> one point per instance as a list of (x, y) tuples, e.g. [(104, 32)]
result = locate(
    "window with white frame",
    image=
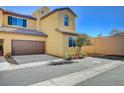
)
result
[(71, 42)]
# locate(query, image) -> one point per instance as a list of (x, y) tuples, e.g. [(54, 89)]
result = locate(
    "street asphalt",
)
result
[(28, 76), (114, 77)]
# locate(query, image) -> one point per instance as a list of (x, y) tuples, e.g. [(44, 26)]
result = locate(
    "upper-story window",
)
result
[(65, 20), (17, 21)]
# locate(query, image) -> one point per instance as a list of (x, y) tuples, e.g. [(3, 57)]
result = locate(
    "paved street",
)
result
[(28, 76), (31, 75), (114, 77)]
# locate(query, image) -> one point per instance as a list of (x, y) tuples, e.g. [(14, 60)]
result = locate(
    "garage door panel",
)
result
[(26, 47)]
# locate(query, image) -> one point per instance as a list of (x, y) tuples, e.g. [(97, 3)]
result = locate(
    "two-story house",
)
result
[(51, 32)]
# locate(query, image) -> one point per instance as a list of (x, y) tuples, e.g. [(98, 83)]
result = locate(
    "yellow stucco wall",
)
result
[(31, 24), (71, 19), (67, 49), (106, 46), (1, 17), (54, 45), (7, 37)]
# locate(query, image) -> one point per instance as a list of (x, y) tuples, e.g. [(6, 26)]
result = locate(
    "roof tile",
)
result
[(21, 31)]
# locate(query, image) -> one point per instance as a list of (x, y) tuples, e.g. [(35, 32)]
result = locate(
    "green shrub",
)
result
[(67, 57), (82, 55), (73, 56)]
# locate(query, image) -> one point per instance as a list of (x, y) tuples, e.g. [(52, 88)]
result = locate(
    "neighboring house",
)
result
[(51, 32)]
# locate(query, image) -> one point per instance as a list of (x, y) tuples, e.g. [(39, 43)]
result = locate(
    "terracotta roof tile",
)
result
[(67, 31), (21, 31), (18, 14)]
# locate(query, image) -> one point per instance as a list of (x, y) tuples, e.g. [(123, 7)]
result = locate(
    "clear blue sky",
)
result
[(91, 20)]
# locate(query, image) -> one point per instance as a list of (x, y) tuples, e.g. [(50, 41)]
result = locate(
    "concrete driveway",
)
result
[(33, 58), (3, 63), (28, 76), (2, 59)]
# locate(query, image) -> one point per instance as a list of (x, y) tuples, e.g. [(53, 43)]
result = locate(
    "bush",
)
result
[(67, 57), (82, 55), (7, 55), (73, 56)]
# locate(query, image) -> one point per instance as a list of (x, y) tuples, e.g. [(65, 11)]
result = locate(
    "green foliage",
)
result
[(82, 41), (99, 35), (115, 32), (84, 54), (67, 57)]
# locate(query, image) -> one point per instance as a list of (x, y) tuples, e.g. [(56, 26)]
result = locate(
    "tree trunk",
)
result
[(78, 52)]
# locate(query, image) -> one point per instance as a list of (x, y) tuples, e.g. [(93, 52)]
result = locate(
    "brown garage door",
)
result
[(26, 47)]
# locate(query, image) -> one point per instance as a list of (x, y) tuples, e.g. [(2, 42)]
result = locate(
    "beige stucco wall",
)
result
[(107, 46), (54, 45), (31, 24), (7, 37), (1, 17), (61, 20)]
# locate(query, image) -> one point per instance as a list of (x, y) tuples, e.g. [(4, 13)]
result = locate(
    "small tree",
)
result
[(80, 42), (115, 32), (99, 35)]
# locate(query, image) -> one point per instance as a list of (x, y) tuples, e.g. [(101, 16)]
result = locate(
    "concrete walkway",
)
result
[(74, 78)]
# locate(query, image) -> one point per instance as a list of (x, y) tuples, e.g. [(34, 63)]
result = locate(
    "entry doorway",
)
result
[(1, 47)]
